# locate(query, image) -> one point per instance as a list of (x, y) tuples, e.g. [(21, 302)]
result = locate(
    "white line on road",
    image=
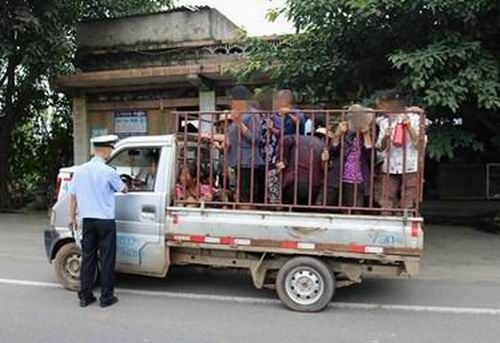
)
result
[(253, 300)]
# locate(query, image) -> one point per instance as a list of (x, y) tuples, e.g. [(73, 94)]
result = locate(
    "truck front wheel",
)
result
[(305, 284), (67, 264)]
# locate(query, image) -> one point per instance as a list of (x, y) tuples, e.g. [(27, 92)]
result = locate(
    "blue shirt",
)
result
[(242, 143), (94, 184), (289, 127)]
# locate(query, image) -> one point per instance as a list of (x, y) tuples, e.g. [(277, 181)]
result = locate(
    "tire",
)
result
[(305, 284), (67, 266)]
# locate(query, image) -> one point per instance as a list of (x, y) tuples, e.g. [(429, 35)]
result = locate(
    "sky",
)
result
[(249, 14)]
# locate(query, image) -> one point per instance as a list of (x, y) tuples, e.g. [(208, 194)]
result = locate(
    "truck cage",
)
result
[(202, 140)]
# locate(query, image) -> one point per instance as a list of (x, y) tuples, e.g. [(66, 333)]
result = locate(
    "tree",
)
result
[(445, 53), (37, 43)]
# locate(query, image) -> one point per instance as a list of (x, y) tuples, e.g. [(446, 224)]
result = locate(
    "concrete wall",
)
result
[(80, 130), (208, 102), (92, 117), (159, 28), (159, 121)]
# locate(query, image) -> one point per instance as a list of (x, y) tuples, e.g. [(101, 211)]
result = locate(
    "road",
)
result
[(195, 305)]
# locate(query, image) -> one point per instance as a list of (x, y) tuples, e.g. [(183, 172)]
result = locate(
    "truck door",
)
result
[(140, 213)]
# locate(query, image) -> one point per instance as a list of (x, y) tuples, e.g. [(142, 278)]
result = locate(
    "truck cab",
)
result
[(140, 214)]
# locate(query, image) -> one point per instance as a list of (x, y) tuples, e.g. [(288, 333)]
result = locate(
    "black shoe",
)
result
[(113, 300), (84, 302)]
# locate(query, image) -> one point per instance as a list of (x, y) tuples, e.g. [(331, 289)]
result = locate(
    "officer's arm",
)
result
[(73, 204), (116, 182)]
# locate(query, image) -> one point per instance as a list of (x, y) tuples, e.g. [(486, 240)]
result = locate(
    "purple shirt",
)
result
[(352, 164)]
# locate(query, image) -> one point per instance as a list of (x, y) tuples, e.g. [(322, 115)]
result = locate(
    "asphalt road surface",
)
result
[(195, 305)]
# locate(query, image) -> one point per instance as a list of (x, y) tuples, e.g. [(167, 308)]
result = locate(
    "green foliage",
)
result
[(37, 43), (445, 138), (449, 72), (310, 80), (41, 145), (445, 53)]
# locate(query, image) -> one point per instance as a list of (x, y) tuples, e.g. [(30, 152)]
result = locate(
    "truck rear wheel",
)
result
[(67, 266), (305, 284)]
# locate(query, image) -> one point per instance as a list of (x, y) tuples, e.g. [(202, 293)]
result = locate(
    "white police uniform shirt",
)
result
[(94, 184)]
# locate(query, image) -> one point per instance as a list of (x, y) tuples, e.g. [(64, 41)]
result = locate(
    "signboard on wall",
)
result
[(130, 123), (98, 131)]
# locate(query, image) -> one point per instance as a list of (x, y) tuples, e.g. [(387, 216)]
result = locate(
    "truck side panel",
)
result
[(349, 233)]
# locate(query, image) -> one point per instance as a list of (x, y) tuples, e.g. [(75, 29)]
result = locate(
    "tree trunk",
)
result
[(7, 122), (5, 147)]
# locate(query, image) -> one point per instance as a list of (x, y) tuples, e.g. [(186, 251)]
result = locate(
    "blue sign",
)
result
[(131, 123)]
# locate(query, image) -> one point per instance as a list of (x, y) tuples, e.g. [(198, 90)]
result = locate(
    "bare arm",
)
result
[(247, 130), (294, 117), (288, 144), (385, 141), (216, 137), (73, 205), (339, 132), (413, 133), (384, 136)]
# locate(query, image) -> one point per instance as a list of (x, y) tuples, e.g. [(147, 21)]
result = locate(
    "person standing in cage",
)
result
[(269, 146), (353, 138), (292, 118), (224, 176), (242, 143), (302, 168), (397, 183)]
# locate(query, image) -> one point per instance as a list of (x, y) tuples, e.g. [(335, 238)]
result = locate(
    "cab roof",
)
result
[(163, 140)]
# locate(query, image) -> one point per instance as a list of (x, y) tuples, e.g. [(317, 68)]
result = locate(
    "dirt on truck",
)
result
[(304, 212)]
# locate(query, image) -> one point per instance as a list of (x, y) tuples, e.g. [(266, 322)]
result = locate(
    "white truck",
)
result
[(305, 256)]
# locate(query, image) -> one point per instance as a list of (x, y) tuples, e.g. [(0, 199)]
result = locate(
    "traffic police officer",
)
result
[(93, 197)]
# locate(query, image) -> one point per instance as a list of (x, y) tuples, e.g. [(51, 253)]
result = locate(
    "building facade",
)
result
[(134, 72)]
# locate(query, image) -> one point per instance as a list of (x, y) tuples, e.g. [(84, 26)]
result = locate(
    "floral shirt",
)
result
[(393, 154), (269, 141)]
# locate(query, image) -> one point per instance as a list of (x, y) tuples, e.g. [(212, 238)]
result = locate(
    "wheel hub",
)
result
[(72, 265), (304, 285)]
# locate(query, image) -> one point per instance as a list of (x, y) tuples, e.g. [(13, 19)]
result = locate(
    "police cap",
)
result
[(104, 141)]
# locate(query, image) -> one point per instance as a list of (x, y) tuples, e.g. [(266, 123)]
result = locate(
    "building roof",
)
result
[(183, 45), (152, 30), (171, 10)]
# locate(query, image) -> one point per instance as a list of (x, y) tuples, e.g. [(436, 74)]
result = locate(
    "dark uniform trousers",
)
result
[(98, 235)]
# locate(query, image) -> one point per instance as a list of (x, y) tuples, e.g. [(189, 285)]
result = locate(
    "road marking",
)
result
[(22, 257), (267, 301), (29, 283)]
